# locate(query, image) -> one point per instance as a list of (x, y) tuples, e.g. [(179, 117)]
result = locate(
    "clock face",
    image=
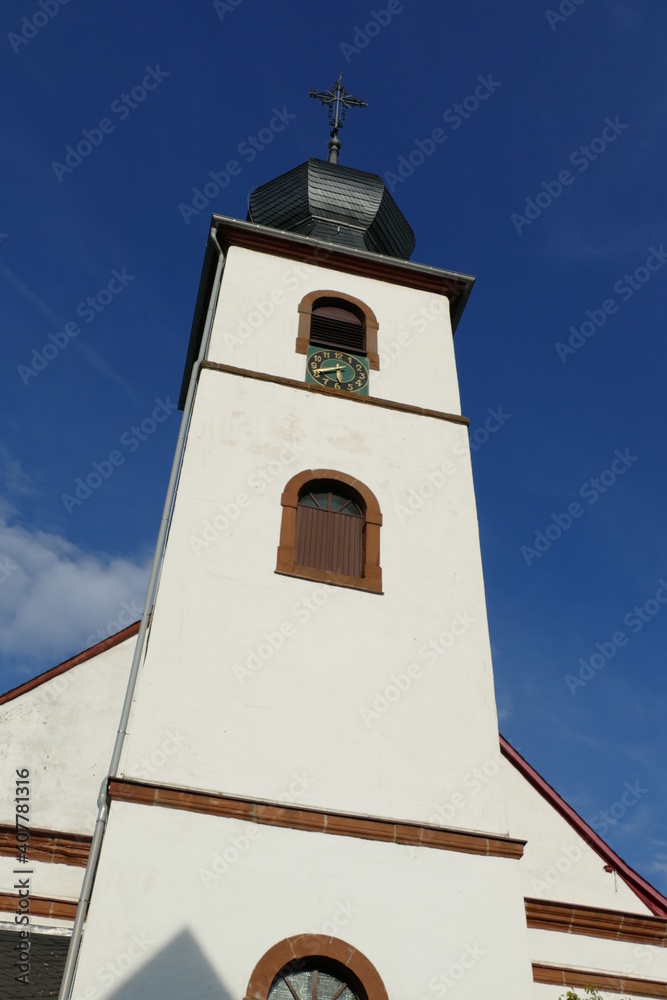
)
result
[(348, 373)]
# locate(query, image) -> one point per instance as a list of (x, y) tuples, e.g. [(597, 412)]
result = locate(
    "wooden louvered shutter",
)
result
[(329, 539), (334, 325)]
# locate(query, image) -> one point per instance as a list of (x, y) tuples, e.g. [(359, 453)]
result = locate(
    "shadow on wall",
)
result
[(179, 969)]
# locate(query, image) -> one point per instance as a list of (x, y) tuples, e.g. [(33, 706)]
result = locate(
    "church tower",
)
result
[(316, 675)]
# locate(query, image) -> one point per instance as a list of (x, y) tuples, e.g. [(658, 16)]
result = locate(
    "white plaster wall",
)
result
[(63, 731), (598, 955), (412, 912), (42, 925), (557, 863), (301, 714), (256, 325), (52, 881)]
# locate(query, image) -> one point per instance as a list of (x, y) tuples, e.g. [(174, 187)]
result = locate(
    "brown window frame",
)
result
[(371, 578), (314, 946), (305, 310)]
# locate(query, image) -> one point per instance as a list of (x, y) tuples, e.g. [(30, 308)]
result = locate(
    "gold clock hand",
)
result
[(337, 368)]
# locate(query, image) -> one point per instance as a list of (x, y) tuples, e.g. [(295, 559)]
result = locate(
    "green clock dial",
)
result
[(347, 373)]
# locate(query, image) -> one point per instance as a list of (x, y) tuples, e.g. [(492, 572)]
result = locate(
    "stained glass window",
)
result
[(312, 984)]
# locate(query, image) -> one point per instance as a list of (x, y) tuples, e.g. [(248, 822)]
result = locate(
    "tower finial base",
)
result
[(334, 146)]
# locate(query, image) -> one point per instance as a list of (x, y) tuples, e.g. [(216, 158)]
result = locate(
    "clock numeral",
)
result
[(337, 355)]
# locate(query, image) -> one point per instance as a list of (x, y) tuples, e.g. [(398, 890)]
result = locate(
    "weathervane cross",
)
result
[(337, 102)]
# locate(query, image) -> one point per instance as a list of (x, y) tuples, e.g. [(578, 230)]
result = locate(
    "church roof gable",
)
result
[(649, 896)]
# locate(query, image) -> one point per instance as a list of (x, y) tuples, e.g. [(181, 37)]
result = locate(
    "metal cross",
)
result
[(337, 101)]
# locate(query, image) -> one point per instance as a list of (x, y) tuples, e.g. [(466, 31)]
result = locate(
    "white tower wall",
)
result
[(344, 704)]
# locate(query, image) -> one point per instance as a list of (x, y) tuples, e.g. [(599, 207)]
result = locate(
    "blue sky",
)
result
[(549, 186)]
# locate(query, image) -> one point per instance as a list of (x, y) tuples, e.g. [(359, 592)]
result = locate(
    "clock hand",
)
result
[(339, 377), (336, 368)]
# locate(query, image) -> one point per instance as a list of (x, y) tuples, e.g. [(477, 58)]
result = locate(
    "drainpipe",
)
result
[(158, 558)]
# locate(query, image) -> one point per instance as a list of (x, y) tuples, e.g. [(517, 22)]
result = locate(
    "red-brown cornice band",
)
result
[(48, 845), (314, 820), (560, 976), (40, 906), (593, 921), (293, 383)]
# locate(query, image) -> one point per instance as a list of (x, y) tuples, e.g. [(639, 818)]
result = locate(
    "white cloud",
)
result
[(15, 482), (657, 871), (56, 599), (659, 861)]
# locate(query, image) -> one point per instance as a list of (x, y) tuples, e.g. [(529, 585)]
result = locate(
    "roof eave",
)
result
[(73, 661), (656, 902)]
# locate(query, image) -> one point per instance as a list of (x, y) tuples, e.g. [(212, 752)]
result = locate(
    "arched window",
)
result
[(315, 967), (337, 323), (341, 322), (330, 528), (315, 979), (330, 531)]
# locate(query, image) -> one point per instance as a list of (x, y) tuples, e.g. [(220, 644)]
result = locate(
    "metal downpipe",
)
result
[(158, 558)]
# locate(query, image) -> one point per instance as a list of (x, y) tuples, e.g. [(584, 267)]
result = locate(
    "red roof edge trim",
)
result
[(656, 902), (74, 661)]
